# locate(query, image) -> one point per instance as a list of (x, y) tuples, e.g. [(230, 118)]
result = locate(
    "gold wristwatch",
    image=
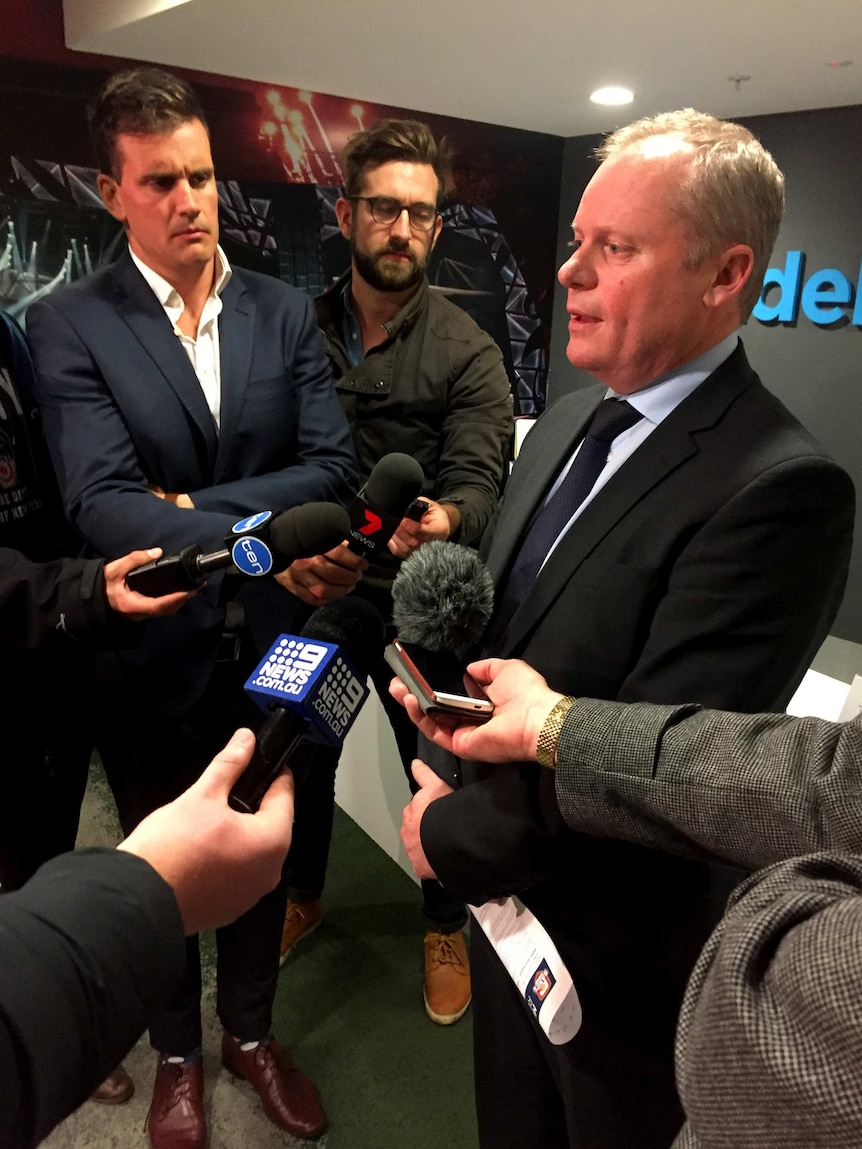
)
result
[(546, 748)]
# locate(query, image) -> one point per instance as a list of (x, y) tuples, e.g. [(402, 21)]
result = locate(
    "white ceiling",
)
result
[(528, 65)]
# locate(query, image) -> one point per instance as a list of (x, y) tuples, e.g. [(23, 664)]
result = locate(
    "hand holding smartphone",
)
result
[(438, 682)]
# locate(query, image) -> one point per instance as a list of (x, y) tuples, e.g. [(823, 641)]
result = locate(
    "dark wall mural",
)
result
[(277, 155)]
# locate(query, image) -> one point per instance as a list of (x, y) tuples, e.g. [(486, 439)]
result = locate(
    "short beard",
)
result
[(383, 275)]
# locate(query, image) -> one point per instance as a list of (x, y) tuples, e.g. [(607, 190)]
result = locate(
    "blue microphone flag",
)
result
[(314, 679)]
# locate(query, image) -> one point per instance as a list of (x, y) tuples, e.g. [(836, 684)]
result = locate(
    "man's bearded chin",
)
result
[(387, 275)]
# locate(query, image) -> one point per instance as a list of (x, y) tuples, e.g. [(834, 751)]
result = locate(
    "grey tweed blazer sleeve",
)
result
[(745, 789), (769, 1042)]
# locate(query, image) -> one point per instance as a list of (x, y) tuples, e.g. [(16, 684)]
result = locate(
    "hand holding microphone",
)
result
[(217, 863), (124, 600), (429, 522), (442, 598), (376, 513), (312, 686), (380, 507), (324, 577)]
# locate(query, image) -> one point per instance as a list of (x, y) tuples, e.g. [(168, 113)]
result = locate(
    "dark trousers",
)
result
[(598, 1091), (315, 800), (149, 759), (43, 787), (46, 758)]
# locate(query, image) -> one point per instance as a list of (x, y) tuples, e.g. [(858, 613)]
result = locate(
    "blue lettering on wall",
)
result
[(825, 295)]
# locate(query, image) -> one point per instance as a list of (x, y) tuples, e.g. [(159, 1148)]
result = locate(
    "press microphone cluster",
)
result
[(382, 503), (258, 545), (312, 687)]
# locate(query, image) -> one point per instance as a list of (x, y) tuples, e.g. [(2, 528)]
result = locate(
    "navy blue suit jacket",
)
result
[(123, 410)]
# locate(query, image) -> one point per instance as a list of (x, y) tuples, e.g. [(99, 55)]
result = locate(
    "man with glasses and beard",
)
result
[(414, 374)]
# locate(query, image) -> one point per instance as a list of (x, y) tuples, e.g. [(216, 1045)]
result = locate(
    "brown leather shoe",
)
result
[(447, 990), (289, 1098), (300, 920), (176, 1117), (116, 1089)]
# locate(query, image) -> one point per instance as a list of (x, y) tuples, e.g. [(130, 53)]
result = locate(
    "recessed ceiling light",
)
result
[(614, 96)]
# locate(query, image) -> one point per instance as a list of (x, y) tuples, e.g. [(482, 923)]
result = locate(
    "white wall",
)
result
[(370, 784)]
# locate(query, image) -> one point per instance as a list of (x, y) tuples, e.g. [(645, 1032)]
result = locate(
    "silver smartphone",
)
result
[(438, 682)]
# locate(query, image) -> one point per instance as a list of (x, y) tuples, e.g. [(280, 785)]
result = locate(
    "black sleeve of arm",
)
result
[(38, 599), (476, 436), (91, 948), (461, 832)]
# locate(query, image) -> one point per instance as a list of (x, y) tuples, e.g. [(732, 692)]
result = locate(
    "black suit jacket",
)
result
[(123, 409), (708, 569)]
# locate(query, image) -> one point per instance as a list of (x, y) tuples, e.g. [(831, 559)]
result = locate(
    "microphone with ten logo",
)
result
[(382, 503), (312, 686), (258, 545)]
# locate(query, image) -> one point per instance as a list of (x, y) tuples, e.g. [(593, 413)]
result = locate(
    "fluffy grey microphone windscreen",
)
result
[(442, 598)]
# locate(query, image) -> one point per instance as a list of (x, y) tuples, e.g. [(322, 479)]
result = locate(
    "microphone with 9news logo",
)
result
[(312, 687)]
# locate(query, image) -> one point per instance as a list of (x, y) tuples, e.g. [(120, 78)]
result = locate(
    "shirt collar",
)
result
[(407, 315), (656, 401), (166, 294)]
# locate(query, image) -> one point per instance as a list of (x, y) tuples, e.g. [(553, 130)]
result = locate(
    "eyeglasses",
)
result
[(385, 209)]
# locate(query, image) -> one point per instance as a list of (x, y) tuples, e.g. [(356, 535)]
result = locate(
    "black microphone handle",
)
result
[(215, 561), (169, 574), (277, 740)]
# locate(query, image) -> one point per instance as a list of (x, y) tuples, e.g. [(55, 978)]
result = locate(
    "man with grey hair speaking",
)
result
[(671, 536)]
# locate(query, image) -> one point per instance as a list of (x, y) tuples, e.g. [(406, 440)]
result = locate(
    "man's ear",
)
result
[(112, 196), (732, 271), (344, 215), (438, 227)]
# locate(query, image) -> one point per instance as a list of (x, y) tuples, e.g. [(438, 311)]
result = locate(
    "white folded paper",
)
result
[(852, 707), (533, 962)]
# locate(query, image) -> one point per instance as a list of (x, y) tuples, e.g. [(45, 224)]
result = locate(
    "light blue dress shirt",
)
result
[(655, 402)]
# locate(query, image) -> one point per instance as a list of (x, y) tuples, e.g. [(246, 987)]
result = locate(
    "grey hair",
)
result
[(733, 191)]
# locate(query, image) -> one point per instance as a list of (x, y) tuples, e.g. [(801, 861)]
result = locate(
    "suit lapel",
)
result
[(667, 448), (236, 342), (145, 318), (556, 435)]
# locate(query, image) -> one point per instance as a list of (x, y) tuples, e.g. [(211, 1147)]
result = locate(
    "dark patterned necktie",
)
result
[(612, 417)]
